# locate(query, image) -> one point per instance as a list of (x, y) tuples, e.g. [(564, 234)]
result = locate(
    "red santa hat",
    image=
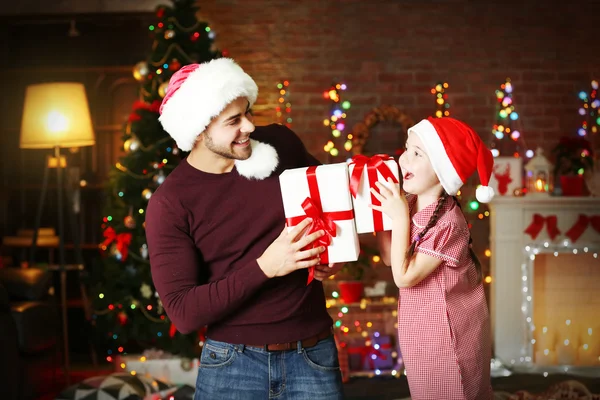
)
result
[(199, 92), (456, 151)]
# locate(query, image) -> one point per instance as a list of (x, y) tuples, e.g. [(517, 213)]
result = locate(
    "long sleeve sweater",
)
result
[(205, 232)]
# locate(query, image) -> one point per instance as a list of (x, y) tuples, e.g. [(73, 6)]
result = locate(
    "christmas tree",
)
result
[(128, 312)]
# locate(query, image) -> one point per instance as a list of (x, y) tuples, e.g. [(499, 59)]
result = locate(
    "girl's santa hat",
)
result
[(456, 152)]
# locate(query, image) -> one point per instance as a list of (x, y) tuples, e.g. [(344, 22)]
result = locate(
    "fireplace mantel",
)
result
[(511, 247)]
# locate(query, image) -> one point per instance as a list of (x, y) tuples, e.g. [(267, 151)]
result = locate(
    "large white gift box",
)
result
[(322, 193), (176, 370), (364, 173)]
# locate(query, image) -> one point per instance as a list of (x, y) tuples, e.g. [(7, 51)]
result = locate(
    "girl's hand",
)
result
[(393, 202)]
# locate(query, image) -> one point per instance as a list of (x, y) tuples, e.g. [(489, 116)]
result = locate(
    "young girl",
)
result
[(443, 320)]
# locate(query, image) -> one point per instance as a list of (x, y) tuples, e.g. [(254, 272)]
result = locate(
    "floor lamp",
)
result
[(55, 116)]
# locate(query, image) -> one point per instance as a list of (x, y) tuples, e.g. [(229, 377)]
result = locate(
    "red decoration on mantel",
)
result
[(503, 179), (581, 225), (537, 224)]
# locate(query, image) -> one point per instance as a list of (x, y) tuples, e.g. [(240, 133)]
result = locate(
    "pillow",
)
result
[(117, 386)]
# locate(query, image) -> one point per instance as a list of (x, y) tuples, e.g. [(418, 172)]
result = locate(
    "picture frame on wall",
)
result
[(507, 175)]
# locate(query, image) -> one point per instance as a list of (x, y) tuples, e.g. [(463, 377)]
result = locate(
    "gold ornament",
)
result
[(129, 222), (186, 364), (169, 34), (145, 290), (141, 71), (132, 144), (146, 194), (162, 89)]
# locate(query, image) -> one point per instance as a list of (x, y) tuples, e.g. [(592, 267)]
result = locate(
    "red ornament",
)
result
[(123, 318), (160, 12), (225, 53), (175, 65)]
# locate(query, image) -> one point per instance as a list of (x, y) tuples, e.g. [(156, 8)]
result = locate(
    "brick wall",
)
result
[(393, 52)]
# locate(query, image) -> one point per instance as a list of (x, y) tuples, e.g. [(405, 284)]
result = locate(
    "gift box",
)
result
[(323, 194), (371, 354), (165, 367), (381, 356), (356, 351), (364, 173)]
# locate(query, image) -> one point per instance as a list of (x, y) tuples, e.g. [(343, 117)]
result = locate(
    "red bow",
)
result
[(123, 241), (581, 225), (142, 105), (374, 164), (537, 224), (320, 220)]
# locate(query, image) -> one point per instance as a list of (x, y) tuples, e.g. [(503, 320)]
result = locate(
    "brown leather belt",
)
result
[(306, 343)]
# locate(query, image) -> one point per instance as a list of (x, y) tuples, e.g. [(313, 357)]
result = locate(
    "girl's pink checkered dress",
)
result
[(443, 322)]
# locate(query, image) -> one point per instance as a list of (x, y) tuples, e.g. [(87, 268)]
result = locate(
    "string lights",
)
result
[(507, 139), (336, 120), (360, 326), (441, 100), (589, 111), (284, 106)]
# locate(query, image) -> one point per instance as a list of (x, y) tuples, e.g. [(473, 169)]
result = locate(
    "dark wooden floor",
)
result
[(385, 388), (377, 388)]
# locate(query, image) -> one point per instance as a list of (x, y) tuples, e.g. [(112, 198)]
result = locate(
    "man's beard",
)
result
[(225, 152)]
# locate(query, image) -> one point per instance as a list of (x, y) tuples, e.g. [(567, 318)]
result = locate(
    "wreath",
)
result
[(361, 131)]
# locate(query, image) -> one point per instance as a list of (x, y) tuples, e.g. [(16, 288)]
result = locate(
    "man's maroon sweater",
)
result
[(205, 232)]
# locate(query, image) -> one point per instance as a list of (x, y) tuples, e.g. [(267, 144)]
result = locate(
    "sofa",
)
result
[(29, 333)]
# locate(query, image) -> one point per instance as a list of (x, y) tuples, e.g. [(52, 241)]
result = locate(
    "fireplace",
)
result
[(545, 297)]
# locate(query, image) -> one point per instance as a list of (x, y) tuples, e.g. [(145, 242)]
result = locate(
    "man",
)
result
[(220, 253)]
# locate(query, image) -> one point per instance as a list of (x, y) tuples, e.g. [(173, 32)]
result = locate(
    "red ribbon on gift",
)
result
[(123, 241), (538, 223), (320, 220), (581, 225), (374, 164), (366, 353)]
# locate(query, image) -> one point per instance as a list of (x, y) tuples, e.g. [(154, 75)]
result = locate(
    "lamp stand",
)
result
[(62, 267)]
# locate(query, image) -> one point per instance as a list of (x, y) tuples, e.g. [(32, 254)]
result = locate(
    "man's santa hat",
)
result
[(456, 152), (197, 93)]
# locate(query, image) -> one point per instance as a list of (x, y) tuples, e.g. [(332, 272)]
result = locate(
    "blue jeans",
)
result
[(234, 371)]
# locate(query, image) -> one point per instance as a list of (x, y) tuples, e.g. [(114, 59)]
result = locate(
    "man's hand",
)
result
[(325, 271), (285, 254)]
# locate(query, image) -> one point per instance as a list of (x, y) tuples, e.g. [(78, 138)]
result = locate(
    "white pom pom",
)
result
[(262, 162), (484, 194)]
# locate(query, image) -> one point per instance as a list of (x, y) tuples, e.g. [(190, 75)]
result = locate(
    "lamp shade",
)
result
[(56, 114)]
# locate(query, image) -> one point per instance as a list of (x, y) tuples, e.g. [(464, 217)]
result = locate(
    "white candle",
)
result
[(588, 357), (545, 338), (566, 353), (591, 339)]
